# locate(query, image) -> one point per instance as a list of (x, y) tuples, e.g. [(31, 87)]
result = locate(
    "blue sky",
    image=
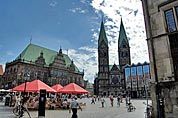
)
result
[(73, 25)]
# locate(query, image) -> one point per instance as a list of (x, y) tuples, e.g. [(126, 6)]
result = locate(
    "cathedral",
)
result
[(110, 79)]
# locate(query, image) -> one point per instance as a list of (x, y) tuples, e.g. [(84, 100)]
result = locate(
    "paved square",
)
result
[(90, 111)]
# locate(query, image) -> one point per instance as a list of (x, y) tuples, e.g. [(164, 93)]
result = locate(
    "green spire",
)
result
[(122, 35), (102, 35)]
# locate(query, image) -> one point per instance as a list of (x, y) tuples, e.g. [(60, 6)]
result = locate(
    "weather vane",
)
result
[(30, 39)]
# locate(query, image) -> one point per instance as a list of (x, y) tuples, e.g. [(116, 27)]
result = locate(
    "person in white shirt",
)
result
[(102, 102), (74, 105), (18, 100)]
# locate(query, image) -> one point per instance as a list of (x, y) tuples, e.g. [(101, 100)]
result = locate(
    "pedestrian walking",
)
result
[(99, 98), (92, 100), (129, 98), (95, 98), (126, 100), (121, 97), (102, 102), (74, 105), (112, 100), (118, 100)]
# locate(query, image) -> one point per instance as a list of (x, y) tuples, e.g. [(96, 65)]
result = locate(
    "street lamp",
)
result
[(26, 77)]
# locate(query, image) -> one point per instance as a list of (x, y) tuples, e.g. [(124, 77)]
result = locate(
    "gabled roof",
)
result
[(113, 66), (32, 52), (102, 35), (1, 70), (122, 35)]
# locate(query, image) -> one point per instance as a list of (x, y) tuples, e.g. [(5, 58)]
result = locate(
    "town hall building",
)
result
[(36, 62)]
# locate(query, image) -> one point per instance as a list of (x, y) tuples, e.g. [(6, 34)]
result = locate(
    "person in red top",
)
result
[(112, 100)]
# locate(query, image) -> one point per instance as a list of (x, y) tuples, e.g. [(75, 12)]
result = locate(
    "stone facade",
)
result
[(37, 62), (110, 79), (161, 20)]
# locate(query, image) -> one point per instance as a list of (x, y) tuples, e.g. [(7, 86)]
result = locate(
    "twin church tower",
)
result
[(110, 79)]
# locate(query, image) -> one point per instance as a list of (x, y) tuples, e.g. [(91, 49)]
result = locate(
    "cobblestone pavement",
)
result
[(90, 111)]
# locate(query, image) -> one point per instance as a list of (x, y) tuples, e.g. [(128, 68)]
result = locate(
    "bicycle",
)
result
[(19, 110), (148, 112), (130, 107)]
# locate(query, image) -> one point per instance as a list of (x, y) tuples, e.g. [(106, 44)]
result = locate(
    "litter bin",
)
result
[(7, 101), (42, 101)]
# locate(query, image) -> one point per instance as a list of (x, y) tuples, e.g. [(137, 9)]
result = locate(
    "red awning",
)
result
[(57, 87), (20, 87), (73, 88), (36, 85)]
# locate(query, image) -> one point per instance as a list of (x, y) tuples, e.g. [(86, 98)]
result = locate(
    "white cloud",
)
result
[(84, 1), (53, 3), (78, 10), (131, 12), (85, 61)]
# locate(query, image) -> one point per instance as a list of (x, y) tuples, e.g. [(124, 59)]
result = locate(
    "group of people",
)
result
[(75, 105), (102, 100)]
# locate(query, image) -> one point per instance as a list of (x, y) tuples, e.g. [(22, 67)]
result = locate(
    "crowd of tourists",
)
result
[(53, 101), (66, 101)]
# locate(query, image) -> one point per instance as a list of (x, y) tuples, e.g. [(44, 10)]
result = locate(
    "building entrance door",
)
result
[(173, 39)]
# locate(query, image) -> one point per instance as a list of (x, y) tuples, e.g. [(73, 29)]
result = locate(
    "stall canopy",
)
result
[(34, 86), (20, 88), (4, 90), (73, 88), (57, 87)]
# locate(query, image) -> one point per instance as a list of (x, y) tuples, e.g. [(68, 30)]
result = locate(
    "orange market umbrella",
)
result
[(73, 88), (20, 87), (36, 85), (57, 87)]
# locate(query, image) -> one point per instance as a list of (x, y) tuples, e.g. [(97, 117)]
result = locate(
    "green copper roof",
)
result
[(32, 52), (122, 35), (102, 35)]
